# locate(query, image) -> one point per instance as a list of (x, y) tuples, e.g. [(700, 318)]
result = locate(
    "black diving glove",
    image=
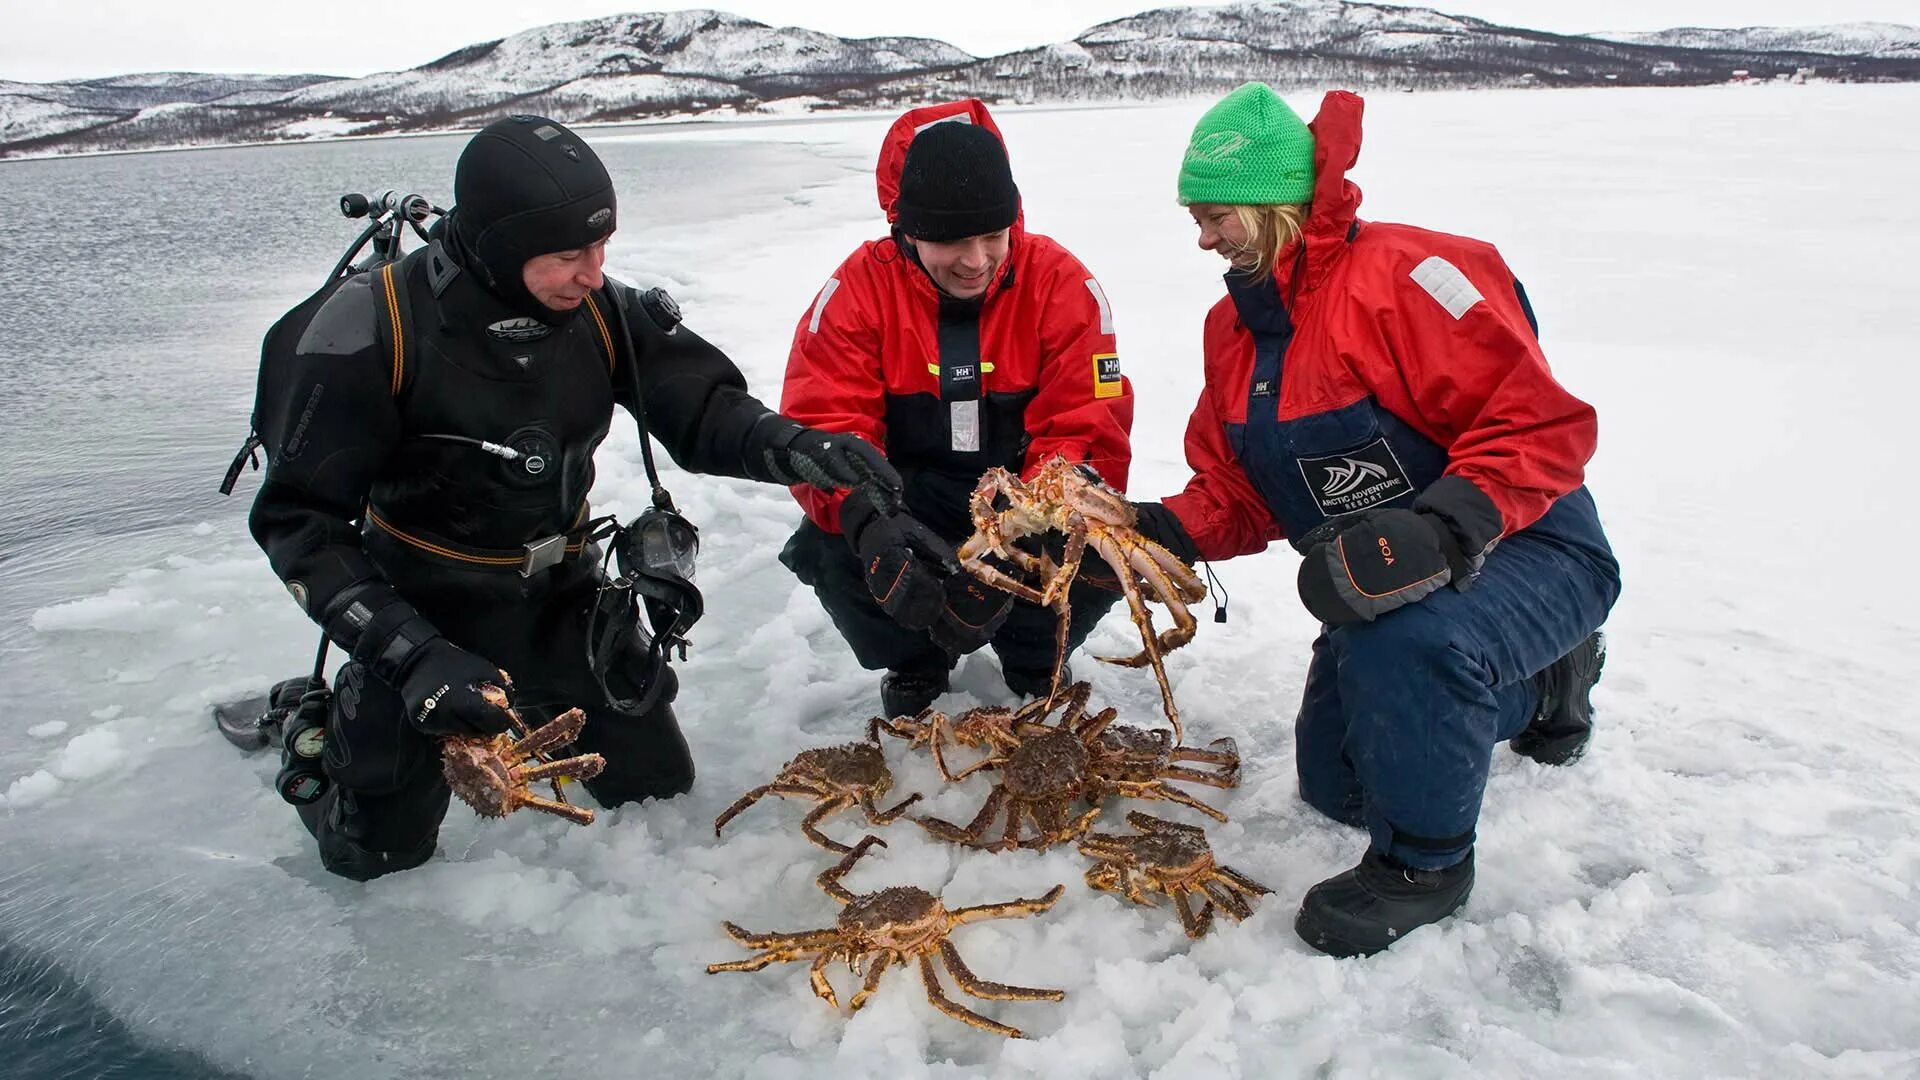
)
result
[(904, 562), (829, 460), (438, 681), (440, 684)]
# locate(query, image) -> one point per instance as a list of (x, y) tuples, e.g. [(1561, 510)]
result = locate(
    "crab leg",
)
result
[(940, 761), (999, 579), (559, 731), (583, 767), (1243, 882), (829, 878), (808, 824), (579, 815), (1195, 776), (1195, 924), (1230, 902), (991, 991), (886, 817), (818, 977), (1154, 789), (958, 1012), (1011, 909), (755, 796), (1221, 751), (1144, 622), (873, 980), (755, 963), (799, 939), (947, 830), (1070, 562)]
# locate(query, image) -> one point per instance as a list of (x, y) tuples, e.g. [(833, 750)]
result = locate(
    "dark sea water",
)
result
[(52, 1029), (133, 296)]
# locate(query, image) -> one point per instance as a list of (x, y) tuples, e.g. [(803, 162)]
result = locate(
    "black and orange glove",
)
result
[(973, 613), (905, 563), (1378, 561)]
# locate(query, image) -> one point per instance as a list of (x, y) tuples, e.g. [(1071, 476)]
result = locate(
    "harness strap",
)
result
[(606, 338), (399, 324)]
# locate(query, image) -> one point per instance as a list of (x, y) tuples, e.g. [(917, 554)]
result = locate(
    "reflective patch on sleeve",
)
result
[(820, 305), (1106, 309), (1106, 375), (1446, 284)]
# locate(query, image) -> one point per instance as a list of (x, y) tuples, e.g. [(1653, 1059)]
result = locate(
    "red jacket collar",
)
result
[(1336, 199)]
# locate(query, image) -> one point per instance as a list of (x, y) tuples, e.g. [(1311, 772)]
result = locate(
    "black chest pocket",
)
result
[(1345, 460)]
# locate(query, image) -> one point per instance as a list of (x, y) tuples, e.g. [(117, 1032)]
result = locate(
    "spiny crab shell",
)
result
[(902, 917)]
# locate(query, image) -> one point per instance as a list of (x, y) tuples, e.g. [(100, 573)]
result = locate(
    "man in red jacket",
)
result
[(957, 343)]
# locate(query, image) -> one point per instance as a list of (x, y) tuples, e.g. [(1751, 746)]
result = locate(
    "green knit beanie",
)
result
[(1248, 149)]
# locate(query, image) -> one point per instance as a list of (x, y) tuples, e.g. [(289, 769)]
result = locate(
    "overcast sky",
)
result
[(64, 39)]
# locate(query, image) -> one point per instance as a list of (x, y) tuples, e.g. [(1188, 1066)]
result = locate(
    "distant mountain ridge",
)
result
[(1889, 41), (703, 62)]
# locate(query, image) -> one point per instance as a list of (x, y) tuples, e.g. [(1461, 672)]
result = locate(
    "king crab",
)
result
[(1071, 499), (836, 777), (492, 773), (1045, 768), (901, 925), (1175, 860)]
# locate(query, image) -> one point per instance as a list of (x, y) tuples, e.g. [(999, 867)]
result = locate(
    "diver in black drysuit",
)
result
[(405, 538)]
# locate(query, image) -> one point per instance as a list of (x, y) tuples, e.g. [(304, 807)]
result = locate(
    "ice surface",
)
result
[(1725, 886)]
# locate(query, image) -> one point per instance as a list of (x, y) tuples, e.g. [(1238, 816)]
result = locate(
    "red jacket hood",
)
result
[(893, 150), (1336, 199)]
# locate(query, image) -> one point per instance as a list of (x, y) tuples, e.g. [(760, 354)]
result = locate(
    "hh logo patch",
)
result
[(1355, 480), (1106, 375)]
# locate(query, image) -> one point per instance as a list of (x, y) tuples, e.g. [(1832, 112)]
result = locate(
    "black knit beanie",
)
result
[(527, 186), (954, 184)]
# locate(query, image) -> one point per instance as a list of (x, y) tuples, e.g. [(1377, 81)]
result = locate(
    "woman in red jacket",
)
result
[(1376, 395)]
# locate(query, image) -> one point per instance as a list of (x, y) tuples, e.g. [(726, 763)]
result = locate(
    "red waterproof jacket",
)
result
[(949, 388), (1404, 345)]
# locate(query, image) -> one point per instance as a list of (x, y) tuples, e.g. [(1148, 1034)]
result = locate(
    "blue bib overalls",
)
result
[(1400, 716)]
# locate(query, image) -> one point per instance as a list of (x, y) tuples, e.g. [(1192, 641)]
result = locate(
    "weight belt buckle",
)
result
[(543, 553)]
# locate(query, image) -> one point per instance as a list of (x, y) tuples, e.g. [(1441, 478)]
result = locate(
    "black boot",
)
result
[(1377, 903), (908, 693), (1564, 722), (1033, 684)]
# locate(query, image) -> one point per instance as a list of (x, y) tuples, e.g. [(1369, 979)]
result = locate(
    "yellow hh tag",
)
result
[(1106, 375)]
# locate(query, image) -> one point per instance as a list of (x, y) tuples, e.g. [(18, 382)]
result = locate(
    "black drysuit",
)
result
[(377, 495)]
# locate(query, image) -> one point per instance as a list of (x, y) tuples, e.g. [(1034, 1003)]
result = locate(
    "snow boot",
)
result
[(908, 693), (1034, 684), (1373, 905), (1564, 722)]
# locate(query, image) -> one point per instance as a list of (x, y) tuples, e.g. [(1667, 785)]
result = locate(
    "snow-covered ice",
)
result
[(1724, 886)]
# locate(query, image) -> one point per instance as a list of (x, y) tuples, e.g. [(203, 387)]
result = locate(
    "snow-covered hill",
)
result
[(33, 112), (1877, 39), (1303, 43), (706, 62)]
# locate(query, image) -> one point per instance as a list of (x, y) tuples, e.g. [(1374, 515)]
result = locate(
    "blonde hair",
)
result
[(1270, 228)]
